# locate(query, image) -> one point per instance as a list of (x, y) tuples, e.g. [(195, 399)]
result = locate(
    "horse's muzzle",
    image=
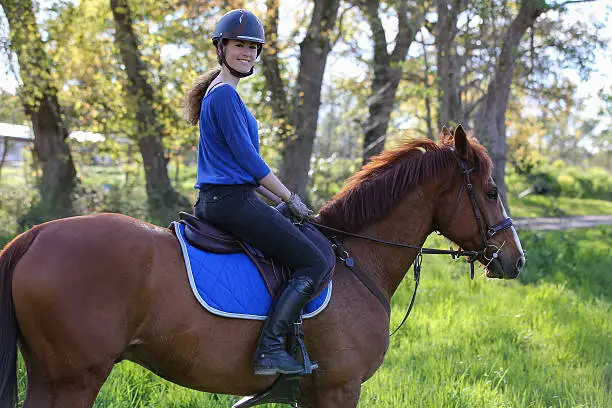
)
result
[(499, 269)]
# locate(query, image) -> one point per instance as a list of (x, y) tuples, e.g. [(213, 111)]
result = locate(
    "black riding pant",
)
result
[(238, 210)]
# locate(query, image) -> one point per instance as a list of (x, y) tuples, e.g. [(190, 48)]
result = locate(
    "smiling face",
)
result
[(240, 55)]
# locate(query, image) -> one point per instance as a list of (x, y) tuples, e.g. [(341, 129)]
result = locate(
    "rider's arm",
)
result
[(274, 187), (268, 195)]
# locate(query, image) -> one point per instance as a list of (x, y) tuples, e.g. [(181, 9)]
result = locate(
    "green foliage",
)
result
[(329, 176), (11, 109), (15, 198), (118, 188), (560, 179)]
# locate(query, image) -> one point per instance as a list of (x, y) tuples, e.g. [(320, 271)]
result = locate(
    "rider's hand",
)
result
[(298, 208)]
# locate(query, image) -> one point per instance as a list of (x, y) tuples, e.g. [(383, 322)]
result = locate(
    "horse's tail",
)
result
[(10, 255)]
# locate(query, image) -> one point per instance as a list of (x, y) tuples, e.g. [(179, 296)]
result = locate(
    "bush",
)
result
[(568, 185), (559, 179)]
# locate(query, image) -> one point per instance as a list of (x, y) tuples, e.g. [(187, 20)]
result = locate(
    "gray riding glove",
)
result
[(298, 208)]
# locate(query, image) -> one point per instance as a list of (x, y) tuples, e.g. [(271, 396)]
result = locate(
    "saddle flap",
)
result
[(208, 237)]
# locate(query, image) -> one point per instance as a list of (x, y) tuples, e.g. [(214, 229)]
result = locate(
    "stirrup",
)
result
[(285, 390), (309, 365)]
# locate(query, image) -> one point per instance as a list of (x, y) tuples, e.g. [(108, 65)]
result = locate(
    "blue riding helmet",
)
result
[(239, 24)]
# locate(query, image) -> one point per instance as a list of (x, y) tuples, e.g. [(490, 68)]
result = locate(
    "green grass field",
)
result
[(544, 340), (546, 206)]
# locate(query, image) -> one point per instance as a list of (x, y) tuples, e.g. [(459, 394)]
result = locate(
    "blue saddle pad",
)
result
[(230, 285)]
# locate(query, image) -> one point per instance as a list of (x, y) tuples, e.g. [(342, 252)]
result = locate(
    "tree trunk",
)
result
[(163, 200), (281, 109), (387, 71), (428, 109), (297, 148), (490, 117), (39, 98), (450, 111)]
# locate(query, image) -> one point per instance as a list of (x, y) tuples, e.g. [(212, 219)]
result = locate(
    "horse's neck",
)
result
[(409, 223)]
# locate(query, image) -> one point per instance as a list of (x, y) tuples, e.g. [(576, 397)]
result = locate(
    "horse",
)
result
[(83, 293)]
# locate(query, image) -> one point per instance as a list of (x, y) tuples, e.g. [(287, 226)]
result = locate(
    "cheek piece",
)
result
[(234, 72)]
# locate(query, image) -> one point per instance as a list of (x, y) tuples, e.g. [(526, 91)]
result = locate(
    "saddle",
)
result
[(207, 237)]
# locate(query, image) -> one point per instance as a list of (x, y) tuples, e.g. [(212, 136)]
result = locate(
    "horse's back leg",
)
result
[(78, 299), (75, 390)]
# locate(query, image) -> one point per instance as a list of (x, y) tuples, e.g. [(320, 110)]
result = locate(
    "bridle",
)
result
[(485, 231)]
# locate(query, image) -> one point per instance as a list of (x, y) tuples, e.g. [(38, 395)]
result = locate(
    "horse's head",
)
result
[(470, 212)]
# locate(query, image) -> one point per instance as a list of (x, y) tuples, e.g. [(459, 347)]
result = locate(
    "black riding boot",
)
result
[(270, 356)]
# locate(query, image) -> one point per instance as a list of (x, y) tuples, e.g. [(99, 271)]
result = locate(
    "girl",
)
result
[(230, 170)]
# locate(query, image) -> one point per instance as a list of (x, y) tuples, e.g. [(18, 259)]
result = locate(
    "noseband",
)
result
[(486, 232)]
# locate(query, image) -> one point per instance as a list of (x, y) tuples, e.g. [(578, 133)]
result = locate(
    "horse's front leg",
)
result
[(333, 396)]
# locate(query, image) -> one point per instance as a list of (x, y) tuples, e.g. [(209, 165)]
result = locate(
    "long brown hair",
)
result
[(192, 100)]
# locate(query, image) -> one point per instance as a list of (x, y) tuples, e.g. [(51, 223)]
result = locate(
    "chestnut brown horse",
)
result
[(82, 293)]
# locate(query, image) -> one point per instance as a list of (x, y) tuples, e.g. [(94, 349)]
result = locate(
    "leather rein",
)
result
[(485, 232)]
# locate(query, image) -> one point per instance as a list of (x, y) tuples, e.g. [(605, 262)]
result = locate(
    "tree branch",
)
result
[(565, 3)]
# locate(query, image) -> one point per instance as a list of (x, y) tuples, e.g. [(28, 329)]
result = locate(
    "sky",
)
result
[(598, 11)]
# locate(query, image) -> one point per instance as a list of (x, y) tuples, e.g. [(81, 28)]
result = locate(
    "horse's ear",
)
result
[(462, 144), (446, 132)]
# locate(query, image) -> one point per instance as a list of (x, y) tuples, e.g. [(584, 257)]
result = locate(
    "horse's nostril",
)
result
[(520, 263)]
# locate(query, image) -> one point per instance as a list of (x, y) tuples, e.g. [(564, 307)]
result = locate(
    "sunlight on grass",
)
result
[(488, 343), (547, 206)]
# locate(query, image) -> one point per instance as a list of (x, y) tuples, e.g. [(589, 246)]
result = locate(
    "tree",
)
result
[(387, 67), (450, 110), (163, 200), (490, 117), (39, 98), (600, 131), (303, 112), (483, 52)]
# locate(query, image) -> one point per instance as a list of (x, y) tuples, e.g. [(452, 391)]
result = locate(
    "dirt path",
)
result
[(562, 223)]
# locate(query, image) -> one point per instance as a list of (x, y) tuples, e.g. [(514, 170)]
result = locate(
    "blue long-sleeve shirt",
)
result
[(228, 150)]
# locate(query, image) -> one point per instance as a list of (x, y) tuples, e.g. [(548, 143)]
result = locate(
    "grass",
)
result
[(547, 206), (544, 340)]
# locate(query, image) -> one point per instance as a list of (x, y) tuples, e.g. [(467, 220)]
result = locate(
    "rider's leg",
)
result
[(239, 211)]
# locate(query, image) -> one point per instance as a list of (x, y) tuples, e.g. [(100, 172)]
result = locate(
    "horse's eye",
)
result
[(492, 194)]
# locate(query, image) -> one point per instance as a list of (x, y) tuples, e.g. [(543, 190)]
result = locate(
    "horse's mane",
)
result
[(373, 191)]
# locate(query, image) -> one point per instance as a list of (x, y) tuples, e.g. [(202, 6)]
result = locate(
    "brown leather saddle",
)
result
[(207, 237)]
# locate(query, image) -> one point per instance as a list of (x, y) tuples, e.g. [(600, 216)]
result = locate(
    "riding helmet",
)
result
[(239, 24)]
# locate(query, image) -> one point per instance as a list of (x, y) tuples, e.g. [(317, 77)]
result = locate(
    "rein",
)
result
[(485, 232), (352, 266)]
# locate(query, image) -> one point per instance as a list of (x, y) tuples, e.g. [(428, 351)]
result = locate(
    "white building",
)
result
[(17, 137), (14, 138)]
